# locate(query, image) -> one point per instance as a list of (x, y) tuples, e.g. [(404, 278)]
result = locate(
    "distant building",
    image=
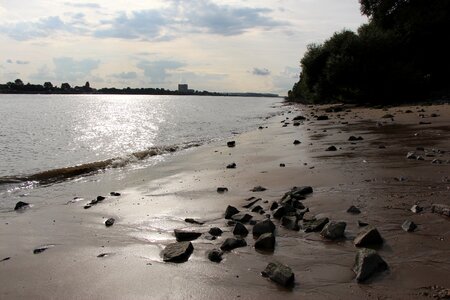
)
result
[(183, 88)]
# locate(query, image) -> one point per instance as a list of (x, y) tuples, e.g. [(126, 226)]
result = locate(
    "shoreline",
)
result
[(156, 200)]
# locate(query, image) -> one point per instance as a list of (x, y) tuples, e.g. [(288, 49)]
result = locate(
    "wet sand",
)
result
[(381, 182)]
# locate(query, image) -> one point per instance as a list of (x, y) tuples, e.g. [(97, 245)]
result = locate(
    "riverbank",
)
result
[(373, 174)]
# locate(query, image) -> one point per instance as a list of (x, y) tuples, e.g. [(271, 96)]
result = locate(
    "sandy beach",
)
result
[(372, 174)]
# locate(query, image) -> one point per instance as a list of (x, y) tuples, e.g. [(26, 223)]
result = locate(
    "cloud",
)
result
[(26, 30), (83, 5), (225, 20), (125, 75), (67, 69), (158, 71), (260, 72), (146, 24)]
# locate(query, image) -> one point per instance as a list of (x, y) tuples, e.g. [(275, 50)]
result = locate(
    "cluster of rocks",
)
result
[(422, 154)]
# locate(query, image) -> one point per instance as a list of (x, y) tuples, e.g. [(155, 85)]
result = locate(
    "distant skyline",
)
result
[(223, 46)]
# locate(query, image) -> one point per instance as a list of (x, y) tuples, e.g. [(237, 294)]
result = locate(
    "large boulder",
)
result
[(177, 252), (367, 263), (369, 236), (230, 211), (265, 241), (232, 243), (279, 273), (183, 236), (334, 230), (240, 230), (262, 227)]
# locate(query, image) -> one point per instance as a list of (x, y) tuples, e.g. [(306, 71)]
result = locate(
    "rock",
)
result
[(231, 166), (257, 209), (262, 227), (387, 116), (231, 144), (209, 237), (354, 138), (114, 194), (409, 226), (215, 255), (353, 210), (411, 155), (367, 263), (222, 190), (184, 236), (416, 209), (283, 211), (21, 205), (258, 189), (177, 252), (230, 211), (331, 148), (265, 241), (316, 225), (274, 205), (40, 250), (110, 222), (100, 198), (334, 230), (193, 221), (298, 192), (299, 118), (296, 142), (279, 273), (436, 161), (297, 204), (215, 231), (369, 236), (5, 259), (362, 224), (290, 222), (240, 230), (243, 218), (232, 243), (251, 203), (441, 209), (322, 118), (420, 157), (282, 165)]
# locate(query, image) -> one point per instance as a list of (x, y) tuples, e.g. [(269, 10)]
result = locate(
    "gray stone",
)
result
[(367, 263), (231, 166), (248, 205), (215, 231), (258, 189), (230, 211), (315, 225), (183, 236), (369, 236), (232, 243), (240, 230), (265, 241), (265, 226), (231, 144), (177, 252), (411, 155), (416, 209), (334, 230), (290, 222), (280, 274), (257, 209), (109, 222), (441, 209), (409, 226), (274, 205), (296, 142), (331, 148), (222, 190), (353, 210), (21, 204), (286, 210), (243, 218), (193, 221), (215, 255)]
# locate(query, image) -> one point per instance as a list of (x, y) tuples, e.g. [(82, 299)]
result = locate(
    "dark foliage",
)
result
[(400, 55)]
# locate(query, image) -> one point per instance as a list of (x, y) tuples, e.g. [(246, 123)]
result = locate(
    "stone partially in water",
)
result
[(334, 230), (222, 189), (315, 225), (265, 241), (353, 210), (409, 226), (232, 243), (230, 211), (279, 273), (215, 255), (110, 222), (441, 209), (240, 230), (262, 227), (369, 236), (177, 252), (367, 263), (215, 231), (21, 205), (183, 236)]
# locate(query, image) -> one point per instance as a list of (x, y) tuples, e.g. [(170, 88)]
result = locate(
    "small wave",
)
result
[(61, 174)]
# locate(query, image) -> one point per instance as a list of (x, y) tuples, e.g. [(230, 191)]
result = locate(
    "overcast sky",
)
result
[(215, 45)]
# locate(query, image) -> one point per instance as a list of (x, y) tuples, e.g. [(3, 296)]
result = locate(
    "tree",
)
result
[(65, 86), (18, 82), (48, 85)]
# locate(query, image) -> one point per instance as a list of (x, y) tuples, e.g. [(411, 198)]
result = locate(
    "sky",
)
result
[(214, 45)]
